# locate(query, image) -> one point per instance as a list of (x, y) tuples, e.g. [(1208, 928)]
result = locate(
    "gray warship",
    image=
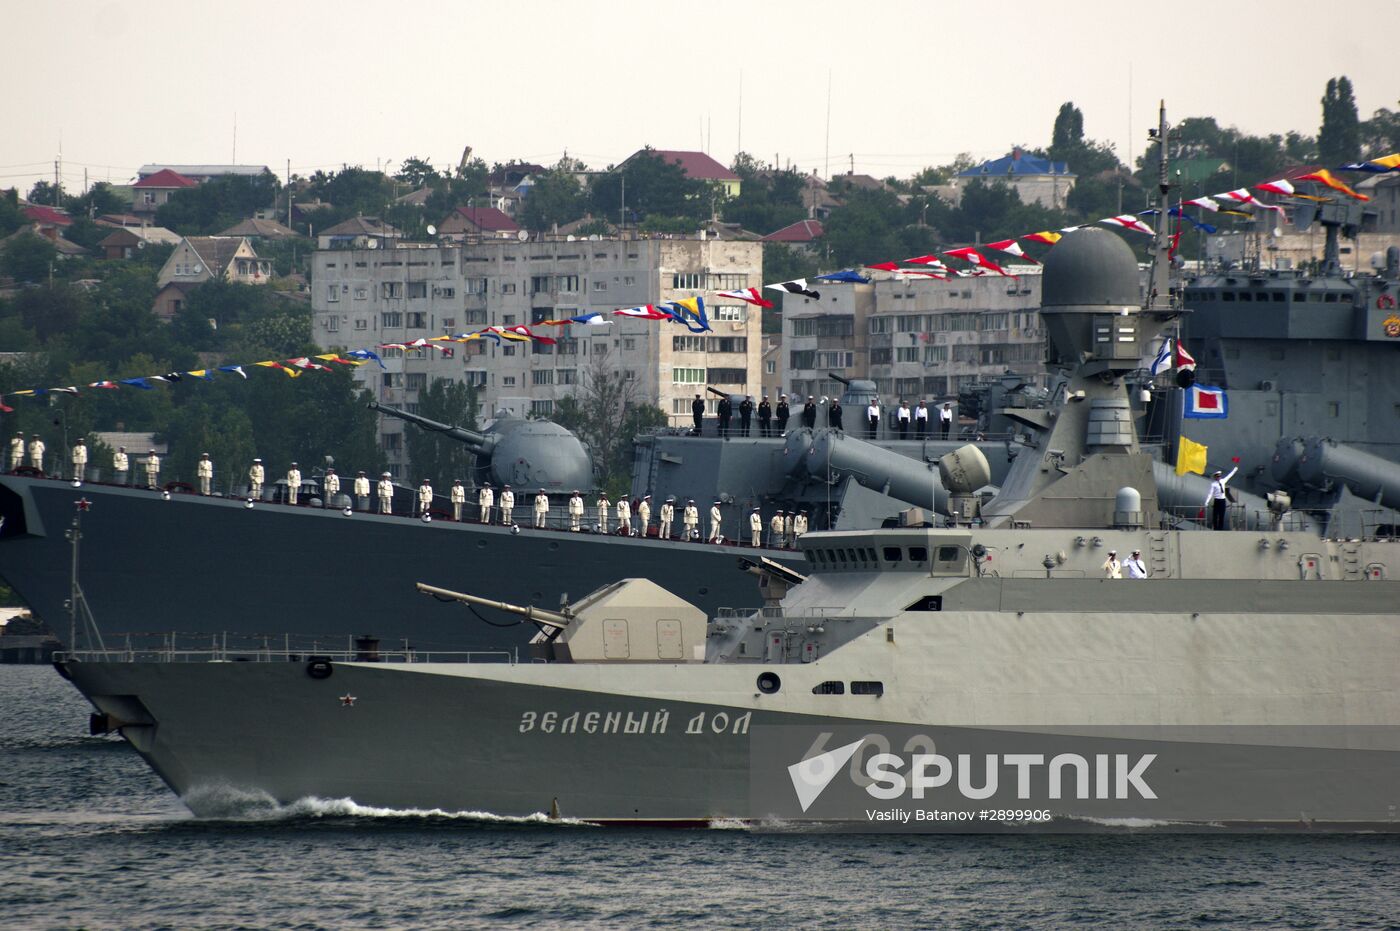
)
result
[(1266, 639)]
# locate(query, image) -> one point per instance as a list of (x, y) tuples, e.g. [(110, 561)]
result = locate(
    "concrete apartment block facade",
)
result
[(366, 297), (915, 338)]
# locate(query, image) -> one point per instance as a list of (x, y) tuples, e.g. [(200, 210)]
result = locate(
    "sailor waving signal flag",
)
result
[(748, 295), (796, 286)]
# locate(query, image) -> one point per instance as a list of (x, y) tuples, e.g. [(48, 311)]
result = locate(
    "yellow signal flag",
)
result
[(1190, 457)]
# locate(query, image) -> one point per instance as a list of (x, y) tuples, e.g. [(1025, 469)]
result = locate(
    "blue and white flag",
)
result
[(1205, 402), (593, 319), (366, 355), (235, 369), (1163, 362), (848, 276)]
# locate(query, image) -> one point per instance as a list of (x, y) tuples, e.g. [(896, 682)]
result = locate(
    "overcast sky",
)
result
[(120, 84)]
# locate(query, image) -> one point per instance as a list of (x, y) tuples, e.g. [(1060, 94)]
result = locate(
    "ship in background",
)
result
[(1308, 362)]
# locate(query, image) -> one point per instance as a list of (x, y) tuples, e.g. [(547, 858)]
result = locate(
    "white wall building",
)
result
[(365, 297), (915, 338)]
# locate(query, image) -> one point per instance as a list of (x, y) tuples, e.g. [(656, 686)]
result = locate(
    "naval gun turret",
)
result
[(515, 451), (859, 391)]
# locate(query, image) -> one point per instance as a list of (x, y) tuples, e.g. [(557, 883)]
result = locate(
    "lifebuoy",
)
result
[(319, 667), (1385, 302)]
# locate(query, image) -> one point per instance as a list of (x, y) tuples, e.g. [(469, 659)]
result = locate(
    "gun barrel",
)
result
[(841, 378), (538, 615), (477, 442), (716, 391)]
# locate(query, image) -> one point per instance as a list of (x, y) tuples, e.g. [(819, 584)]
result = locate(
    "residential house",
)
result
[(1037, 180), (201, 173), (198, 259), (154, 190), (699, 166), (359, 233), (50, 235), (800, 235), (477, 223), (255, 229), (125, 242)]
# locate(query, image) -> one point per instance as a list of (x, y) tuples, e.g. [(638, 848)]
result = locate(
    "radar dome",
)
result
[(1091, 267)]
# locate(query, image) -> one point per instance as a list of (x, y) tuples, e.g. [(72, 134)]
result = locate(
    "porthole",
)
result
[(769, 683)]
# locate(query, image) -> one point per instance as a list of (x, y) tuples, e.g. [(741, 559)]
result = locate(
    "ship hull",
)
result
[(1242, 737), (210, 567)]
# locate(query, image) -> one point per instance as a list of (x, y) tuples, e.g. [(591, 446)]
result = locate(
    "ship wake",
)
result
[(228, 803)]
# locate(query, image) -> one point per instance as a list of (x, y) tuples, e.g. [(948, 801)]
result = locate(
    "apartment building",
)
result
[(364, 297), (915, 338)]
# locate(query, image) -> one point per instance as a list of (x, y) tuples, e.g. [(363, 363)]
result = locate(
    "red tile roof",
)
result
[(37, 213), (165, 178), (801, 231), (488, 219), (697, 165)]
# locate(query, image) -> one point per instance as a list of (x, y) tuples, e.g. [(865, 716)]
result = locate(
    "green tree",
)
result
[(555, 197), (51, 312), (46, 193), (1068, 132), (217, 203), (767, 201), (1339, 139), (28, 258), (85, 233), (1380, 135), (606, 412), (10, 217), (100, 199), (440, 459), (416, 171), (650, 185)]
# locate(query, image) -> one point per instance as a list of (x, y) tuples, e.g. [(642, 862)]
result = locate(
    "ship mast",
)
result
[(1158, 296)]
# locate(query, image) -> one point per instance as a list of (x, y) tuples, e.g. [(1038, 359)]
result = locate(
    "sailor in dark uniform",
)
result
[(809, 412), (746, 413), (765, 417), (726, 411), (780, 416), (697, 411)]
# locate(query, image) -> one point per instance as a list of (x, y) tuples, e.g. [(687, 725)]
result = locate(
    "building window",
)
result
[(540, 284), (391, 289), (507, 350), (361, 323), (417, 289), (770, 367), (687, 281), (415, 381), (416, 320), (542, 377), (332, 293), (391, 442), (478, 286), (728, 377), (680, 376), (361, 294), (600, 286), (449, 323), (570, 283), (879, 325), (629, 280), (728, 282), (475, 377), (735, 312), (507, 287), (476, 316), (629, 343), (392, 379), (834, 359), (879, 357), (728, 344), (447, 293), (541, 408), (907, 354), (508, 381), (687, 344), (332, 323), (391, 319), (564, 376), (507, 319)]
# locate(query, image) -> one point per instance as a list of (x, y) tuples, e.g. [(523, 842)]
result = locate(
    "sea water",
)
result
[(89, 837)]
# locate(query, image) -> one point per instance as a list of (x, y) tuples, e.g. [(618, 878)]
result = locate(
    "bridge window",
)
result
[(868, 688), (829, 688), (918, 554), (892, 554), (948, 553)]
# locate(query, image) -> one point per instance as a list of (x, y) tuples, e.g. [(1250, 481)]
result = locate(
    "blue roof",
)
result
[(1017, 163)]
